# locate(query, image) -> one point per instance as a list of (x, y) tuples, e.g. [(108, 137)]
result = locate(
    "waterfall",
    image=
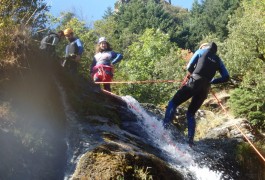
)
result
[(179, 155), (76, 140), (82, 137)]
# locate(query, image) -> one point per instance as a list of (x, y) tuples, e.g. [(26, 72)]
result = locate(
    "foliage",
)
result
[(245, 45), (209, 17), (142, 173), (15, 18), (27, 12), (137, 15), (108, 28), (245, 103), (150, 58), (245, 50)]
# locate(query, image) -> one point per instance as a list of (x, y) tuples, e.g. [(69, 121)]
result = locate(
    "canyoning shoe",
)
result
[(191, 143), (166, 125)]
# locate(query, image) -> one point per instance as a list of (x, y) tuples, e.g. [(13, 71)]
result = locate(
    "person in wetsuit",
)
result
[(73, 52), (102, 65), (202, 68), (49, 42)]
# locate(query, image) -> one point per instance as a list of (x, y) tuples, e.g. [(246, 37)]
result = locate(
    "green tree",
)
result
[(138, 15), (18, 20), (108, 28), (245, 49), (209, 17), (147, 59)]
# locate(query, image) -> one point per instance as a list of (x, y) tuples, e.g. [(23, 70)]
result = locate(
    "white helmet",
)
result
[(102, 39)]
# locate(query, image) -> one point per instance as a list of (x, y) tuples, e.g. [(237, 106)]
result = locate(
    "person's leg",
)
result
[(107, 87), (191, 127), (108, 78), (73, 67), (195, 104), (181, 96)]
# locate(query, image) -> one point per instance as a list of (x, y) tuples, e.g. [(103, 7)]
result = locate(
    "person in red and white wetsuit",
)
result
[(102, 66)]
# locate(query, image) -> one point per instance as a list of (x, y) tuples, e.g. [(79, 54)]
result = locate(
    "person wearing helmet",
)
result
[(201, 68), (102, 65), (73, 51), (49, 42), (204, 46)]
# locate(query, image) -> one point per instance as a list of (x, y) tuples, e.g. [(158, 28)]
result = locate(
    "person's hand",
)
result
[(188, 75)]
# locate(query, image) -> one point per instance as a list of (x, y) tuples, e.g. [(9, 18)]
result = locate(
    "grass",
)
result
[(142, 173)]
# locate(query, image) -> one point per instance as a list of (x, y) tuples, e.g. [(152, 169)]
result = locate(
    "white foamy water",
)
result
[(72, 139), (180, 155)]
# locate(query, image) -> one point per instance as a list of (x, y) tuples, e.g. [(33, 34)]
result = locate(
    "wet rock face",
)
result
[(231, 129), (111, 161)]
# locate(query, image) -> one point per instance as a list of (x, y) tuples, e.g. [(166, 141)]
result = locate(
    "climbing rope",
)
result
[(244, 135), (138, 82)]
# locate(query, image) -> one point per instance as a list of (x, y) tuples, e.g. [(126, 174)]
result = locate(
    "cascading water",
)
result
[(82, 137), (178, 154), (77, 141)]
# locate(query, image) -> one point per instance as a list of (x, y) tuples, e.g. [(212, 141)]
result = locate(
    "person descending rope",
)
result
[(101, 69), (73, 52), (49, 42), (201, 68)]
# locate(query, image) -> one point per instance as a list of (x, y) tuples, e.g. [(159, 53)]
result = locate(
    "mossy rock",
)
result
[(110, 161)]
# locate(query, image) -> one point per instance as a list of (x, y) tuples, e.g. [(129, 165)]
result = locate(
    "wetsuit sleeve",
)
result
[(94, 62), (224, 75), (80, 47), (117, 57), (193, 61)]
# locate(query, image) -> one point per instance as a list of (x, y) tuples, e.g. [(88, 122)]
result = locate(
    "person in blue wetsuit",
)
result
[(202, 68), (73, 52)]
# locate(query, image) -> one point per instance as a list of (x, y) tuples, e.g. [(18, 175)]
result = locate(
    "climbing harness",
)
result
[(103, 73)]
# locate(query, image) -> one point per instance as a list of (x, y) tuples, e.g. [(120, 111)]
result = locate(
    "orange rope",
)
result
[(137, 82), (252, 145)]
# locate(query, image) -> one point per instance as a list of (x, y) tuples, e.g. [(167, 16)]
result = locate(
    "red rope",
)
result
[(138, 82), (252, 145)]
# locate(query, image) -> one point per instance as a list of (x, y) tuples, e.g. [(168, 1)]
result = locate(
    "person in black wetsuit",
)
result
[(202, 68), (49, 42), (73, 52)]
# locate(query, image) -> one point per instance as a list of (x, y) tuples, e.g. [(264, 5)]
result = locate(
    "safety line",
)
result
[(252, 145), (138, 82)]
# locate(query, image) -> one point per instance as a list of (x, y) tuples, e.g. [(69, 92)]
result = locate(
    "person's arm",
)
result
[(224, 75), (117, 57), (193, 61), (80, 47), (80, 50)]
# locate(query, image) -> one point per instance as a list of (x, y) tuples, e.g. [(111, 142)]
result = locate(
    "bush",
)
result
[(245, 103)]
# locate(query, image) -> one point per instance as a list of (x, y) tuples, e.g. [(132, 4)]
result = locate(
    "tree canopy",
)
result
[(154, 37)]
